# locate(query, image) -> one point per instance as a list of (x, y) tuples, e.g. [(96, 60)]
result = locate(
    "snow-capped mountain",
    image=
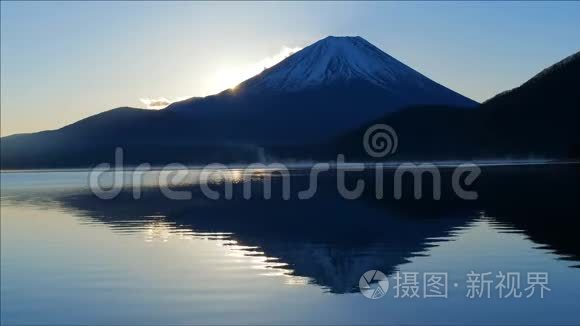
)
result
[(342, 62), (333, 85), (336, 59)]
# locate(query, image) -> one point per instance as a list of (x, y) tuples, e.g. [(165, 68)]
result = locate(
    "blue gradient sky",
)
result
[(65, 61)]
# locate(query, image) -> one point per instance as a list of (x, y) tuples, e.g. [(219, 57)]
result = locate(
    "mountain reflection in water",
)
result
[(330, 241)]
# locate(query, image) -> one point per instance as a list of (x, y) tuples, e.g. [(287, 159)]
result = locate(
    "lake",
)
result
[(69, 257)]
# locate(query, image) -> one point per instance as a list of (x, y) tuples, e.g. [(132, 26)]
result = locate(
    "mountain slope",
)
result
[(537, 119), (316, 94), (540, 117)]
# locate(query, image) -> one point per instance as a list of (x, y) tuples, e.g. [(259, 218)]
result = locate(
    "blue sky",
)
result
[(64, 61)]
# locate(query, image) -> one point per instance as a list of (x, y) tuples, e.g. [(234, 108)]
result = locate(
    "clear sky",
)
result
[(65, 61)]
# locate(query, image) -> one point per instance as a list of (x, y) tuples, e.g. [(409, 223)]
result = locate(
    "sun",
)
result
[(230, 76)]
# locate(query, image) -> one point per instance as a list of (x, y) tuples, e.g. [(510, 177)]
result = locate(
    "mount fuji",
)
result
[(333, 85), (328, 88), (340, 60)]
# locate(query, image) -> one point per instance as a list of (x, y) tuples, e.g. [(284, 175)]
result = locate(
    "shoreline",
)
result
[(307, 165)]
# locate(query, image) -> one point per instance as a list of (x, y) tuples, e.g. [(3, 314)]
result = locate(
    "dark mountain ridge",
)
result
[(535, 120)]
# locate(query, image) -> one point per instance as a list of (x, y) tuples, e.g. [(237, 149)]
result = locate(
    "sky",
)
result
[(64, 61)]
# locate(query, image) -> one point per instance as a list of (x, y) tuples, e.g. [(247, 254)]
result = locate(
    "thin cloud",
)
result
[(268, 62), (160, 102)]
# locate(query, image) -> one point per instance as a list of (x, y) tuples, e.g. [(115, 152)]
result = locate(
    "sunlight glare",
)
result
[(230, 77)]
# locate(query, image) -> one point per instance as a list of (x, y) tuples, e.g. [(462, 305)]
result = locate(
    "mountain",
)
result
[(341, 60), (319, 92), (290, 109), (537, 119), (540, 117)]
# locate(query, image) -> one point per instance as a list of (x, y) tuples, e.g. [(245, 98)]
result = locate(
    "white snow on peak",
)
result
[(335, 59)]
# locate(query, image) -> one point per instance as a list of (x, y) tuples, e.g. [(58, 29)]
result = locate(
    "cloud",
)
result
[(160, 102), (268, 62)]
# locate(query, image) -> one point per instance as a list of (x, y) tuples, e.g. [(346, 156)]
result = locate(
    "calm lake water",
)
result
[(68, 257)]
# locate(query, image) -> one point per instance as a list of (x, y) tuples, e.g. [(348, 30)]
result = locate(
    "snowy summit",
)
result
[(336, 60)]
